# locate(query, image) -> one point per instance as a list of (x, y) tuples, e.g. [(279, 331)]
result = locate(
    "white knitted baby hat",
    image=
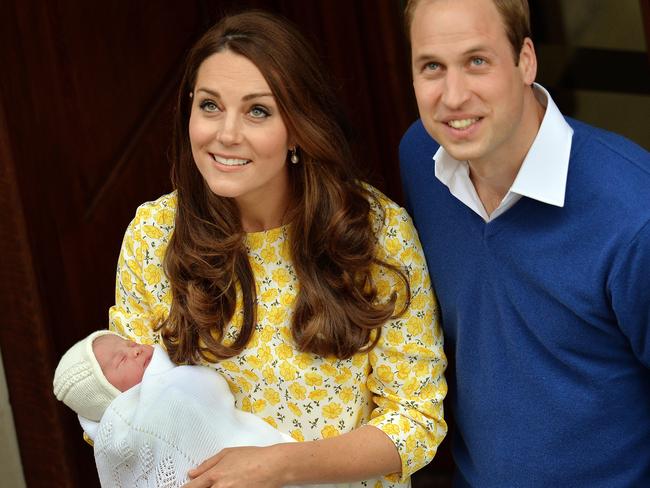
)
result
[(79, 381)]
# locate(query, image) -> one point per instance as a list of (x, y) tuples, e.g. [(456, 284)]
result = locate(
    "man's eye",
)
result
[(208, 106), (478, 61), (431, 66)]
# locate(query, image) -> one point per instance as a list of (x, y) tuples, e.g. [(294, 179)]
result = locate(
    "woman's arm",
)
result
[(364, 453), (142, 296), (408, 362)]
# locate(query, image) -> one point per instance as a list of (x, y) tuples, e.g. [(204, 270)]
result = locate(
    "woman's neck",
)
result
[(260, 214)]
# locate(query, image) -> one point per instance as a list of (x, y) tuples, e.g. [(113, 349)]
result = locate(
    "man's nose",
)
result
[(456, 91)]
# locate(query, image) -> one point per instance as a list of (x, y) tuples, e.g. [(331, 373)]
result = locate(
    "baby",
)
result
[(94, 371), (150, 420)]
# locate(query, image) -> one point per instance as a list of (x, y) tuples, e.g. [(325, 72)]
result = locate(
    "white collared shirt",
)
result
[(542, 175)]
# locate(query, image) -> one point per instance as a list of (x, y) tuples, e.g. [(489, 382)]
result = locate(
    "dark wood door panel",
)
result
[(91, 249), (95, 72)]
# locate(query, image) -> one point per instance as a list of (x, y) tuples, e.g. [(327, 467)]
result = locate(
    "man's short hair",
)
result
[(514, 13)]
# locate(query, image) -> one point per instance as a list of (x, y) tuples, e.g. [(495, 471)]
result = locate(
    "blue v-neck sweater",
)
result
[(546, 313)]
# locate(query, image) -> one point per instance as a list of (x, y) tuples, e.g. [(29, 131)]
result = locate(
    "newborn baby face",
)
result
[(123, 362)]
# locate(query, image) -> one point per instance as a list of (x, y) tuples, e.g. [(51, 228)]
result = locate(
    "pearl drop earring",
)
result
[(294, 156)]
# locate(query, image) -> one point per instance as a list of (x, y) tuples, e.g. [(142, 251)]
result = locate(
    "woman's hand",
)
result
[(252, 467), (365, 452)]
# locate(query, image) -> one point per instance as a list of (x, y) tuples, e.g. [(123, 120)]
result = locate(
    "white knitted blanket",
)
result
[(178, 416)]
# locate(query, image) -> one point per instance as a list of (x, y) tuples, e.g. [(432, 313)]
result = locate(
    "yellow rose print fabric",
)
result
[(397, 387)]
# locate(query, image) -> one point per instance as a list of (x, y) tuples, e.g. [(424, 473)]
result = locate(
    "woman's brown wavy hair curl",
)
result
[(333, 244)]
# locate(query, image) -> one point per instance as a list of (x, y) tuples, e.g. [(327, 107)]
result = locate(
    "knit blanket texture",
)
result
[(154, 433)]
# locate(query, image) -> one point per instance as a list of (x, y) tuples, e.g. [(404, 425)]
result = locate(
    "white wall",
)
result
[(11, 470)]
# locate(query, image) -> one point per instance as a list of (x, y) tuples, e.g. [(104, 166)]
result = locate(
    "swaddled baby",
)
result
[(151, 421)]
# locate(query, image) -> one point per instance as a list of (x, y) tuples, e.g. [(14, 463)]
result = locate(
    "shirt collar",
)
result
[(543, 173)]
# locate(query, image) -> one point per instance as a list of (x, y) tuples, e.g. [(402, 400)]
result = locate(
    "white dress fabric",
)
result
[(178, 416)]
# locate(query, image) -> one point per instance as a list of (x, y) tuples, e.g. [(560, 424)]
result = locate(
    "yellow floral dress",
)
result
[(397, 387)]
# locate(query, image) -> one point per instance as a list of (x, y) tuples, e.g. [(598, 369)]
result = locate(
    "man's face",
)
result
[(470, 93), (123, 362)]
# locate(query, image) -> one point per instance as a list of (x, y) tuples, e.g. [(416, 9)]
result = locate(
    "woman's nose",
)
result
[(229, 133)]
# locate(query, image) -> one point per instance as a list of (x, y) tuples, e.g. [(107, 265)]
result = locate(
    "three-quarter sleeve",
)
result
[(408, 363), (142, 295)]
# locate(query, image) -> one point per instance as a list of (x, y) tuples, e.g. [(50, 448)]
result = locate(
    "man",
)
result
[(536, 229)]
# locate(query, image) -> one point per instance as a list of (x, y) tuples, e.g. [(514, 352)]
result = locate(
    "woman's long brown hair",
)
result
[(333, 243)]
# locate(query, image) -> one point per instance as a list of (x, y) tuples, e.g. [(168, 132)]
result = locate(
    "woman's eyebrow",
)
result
[(245, 98), (256, 95)]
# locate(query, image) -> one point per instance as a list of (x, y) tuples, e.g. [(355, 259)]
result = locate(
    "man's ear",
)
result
[(528, 62)]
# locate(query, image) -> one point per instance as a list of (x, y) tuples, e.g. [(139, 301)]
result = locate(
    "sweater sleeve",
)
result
[(408, 363), (142, 296), (629, 289), (416, 150)]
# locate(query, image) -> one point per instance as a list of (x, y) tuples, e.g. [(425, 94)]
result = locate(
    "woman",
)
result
[(273, 264)]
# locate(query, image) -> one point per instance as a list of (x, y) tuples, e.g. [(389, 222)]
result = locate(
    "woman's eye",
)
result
[(208, 106), (259, 112)]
